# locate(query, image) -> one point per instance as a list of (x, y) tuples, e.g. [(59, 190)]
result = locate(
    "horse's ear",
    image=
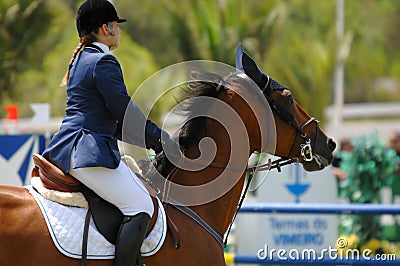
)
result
[(245, 63), (239, 55)]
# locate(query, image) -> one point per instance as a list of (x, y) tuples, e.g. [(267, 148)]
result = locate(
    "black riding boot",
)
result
[(130, 237)]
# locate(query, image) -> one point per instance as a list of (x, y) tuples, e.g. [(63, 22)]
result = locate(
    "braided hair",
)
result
[(84, 40)]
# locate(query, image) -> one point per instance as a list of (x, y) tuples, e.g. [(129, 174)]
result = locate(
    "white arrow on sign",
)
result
[(41, 113)]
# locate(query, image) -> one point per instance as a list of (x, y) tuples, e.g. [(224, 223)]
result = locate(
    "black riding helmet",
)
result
[(94, 13)]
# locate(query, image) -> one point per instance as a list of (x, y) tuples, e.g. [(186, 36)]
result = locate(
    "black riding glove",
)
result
[(154, 140)]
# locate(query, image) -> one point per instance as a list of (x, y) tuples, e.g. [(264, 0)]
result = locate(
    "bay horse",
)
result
[(24, 237)]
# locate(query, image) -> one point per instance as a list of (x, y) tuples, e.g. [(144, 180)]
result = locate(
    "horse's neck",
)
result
[(229, 168), (235, 138)]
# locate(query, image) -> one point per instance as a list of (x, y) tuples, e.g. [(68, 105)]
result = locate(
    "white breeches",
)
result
[(119, 186)]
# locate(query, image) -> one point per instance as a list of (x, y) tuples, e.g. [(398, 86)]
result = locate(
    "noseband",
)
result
[(305, 152), (305, 148)]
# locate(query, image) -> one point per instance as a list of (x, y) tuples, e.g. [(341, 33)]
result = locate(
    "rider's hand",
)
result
[(157, 139)]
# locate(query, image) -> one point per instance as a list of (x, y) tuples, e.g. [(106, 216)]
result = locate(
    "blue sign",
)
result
[(297, 188), (16, 157), (290, 231)]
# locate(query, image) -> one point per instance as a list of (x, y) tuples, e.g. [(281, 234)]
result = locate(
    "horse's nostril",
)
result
[(331, 145)]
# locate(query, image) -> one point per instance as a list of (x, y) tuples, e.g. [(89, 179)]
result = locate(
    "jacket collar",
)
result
[(98, 46)]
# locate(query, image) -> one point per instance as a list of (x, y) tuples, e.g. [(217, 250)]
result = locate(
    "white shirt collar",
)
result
[(102, 46)]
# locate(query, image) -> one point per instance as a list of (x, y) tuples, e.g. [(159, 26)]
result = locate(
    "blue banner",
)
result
[(16, 157)]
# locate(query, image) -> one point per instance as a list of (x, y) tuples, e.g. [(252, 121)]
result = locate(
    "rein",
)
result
[(250, 170), (305, 154)]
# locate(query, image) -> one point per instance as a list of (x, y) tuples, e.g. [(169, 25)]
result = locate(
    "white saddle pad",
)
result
[(66, 224)]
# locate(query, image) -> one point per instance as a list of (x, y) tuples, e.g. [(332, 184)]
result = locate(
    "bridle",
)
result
[(305, 151), (306, 145)]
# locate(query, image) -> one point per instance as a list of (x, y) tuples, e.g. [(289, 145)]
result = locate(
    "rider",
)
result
[(86, 144)]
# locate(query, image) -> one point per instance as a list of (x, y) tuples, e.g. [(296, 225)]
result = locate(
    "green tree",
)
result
[(286, 43), (42, 83), (302, 54), (193, 30), (22, 23), (373, 54), (292, 40)]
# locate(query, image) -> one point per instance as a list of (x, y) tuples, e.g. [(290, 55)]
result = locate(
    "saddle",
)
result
[(106, 216), (52, 177)]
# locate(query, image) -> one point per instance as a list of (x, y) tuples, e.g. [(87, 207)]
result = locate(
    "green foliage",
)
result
[(42, 84), (292, 40), (205, 29), (369, 168), (21, 24), (374, 52), (137, 64)]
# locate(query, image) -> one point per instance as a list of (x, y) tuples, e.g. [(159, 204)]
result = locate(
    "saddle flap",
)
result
[(52, 177)]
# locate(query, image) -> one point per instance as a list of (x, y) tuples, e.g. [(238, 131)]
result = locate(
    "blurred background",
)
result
[(341, 60), (301, 43)]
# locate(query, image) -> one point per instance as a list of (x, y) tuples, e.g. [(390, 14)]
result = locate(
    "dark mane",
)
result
[(202, 83)]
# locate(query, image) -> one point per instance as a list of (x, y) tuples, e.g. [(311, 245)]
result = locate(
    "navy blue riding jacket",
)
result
[(97, 100)]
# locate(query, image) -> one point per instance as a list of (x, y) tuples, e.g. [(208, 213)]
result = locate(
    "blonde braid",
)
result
[(77, 50), (85, 40)]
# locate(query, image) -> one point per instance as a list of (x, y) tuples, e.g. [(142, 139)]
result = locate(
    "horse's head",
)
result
[(300, 137)]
